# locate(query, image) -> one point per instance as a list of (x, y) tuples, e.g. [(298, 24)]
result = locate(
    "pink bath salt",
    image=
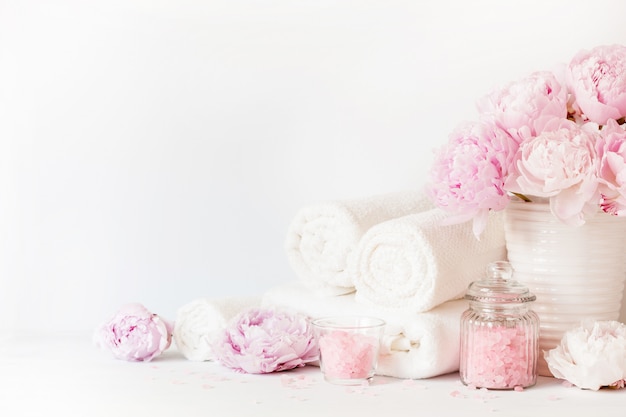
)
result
[(347, 355), (499, 357), (456, 394)]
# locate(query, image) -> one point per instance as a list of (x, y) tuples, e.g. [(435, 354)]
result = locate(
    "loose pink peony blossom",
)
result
[(560, 164), (597, 79), (523, 108), (591, 356), (134, 334), (611, 148), (264, 340), (467, 178)]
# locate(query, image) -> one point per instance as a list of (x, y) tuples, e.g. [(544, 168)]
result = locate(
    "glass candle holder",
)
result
[(349, 348), (499, 333)]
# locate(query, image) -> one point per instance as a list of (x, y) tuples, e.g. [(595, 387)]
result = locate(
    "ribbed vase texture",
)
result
[(576, 272)]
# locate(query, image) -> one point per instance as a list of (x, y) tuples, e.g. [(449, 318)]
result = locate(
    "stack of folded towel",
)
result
[(390, 256)]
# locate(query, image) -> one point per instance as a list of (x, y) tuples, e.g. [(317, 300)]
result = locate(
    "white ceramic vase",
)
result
[(576, 272)]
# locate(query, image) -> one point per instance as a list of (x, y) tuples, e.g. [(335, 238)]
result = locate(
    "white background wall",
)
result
[(156, 150)]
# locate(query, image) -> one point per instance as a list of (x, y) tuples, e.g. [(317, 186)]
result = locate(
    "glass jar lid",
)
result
[(499, 287)]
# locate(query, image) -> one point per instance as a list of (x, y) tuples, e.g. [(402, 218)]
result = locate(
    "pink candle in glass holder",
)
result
[(349, 348)]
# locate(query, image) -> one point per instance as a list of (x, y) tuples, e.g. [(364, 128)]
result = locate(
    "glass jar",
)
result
[(499, 333)]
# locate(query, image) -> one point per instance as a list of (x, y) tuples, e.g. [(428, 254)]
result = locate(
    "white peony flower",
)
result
[(591, 356)]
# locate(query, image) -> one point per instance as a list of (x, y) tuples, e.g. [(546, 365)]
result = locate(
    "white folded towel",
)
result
[(414, 346), (198, 321), (415, 263), (322, 237)]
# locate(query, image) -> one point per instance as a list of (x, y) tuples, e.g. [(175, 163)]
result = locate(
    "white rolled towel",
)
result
[(414, 263), (414, 346), (322, 237), (199, 320)]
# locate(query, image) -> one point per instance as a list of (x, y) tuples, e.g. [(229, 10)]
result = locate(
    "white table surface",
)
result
[(66, 375)]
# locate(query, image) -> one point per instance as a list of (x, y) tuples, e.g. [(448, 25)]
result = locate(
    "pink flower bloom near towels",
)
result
[(596, 77), (592, 355), (263, 340), (134, 334)]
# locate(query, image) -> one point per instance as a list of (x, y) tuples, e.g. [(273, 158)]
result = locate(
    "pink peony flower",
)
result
[(611, 148), (134, 334), (262, 340), (560, 164), (523, 108), (597, 79), (591, 356), (468, 174), (562, 142)]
